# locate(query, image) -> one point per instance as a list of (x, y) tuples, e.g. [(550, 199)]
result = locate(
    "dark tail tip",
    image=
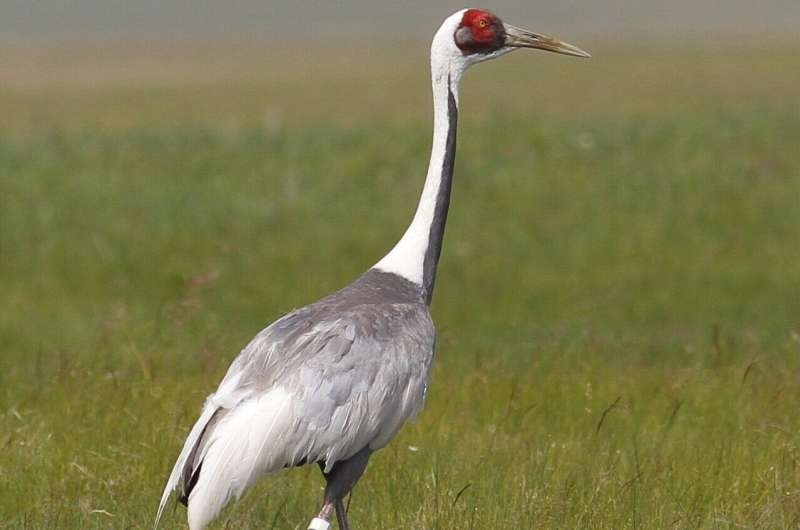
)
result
[(188, 487)]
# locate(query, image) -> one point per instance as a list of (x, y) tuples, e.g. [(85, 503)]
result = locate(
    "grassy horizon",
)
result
[(618, 303)]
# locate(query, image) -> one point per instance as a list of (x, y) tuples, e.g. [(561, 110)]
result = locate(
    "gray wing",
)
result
[(354, 379)]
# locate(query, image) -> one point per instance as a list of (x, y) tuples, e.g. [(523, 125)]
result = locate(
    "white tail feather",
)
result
[(243, 446), (188, 446)]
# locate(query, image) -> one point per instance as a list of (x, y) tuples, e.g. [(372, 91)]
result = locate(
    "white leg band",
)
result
[(318, 524)]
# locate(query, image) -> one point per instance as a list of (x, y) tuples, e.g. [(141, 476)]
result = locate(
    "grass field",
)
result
[(618, 301)]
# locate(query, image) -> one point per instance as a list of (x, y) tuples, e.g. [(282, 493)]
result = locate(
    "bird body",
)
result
[(334, 381), (318, 385)]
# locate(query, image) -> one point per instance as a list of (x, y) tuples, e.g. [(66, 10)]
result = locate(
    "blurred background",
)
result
[(618, 299), (171, 19)]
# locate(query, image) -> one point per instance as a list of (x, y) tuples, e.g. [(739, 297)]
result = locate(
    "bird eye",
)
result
[(482, 23)]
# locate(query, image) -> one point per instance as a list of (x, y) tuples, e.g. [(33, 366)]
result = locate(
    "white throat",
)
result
[(407, 258)]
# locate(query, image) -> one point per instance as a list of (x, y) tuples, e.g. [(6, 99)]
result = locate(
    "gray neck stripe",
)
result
[(436, 235)]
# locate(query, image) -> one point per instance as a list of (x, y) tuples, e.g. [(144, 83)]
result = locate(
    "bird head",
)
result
[(476, 35)]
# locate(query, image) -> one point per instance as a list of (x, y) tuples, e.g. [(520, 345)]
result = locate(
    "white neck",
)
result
[(416, 255)]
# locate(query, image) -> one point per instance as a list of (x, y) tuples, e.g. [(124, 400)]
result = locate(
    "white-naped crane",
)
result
[(334, 381)]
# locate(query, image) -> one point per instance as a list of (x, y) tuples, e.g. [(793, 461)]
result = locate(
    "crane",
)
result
[(332, 382)]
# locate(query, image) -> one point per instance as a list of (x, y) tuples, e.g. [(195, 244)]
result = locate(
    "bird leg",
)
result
[(320, 522), (340, 480), (341, 515)]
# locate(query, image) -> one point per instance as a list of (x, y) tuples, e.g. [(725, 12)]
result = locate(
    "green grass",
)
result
[(618, 301)]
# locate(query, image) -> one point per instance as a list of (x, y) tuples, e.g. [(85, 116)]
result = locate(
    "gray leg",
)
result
[(320, 522), (341, 479), (341, 515)]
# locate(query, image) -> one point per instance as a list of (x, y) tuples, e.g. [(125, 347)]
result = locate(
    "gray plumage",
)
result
[(354, 367), (357, 361)]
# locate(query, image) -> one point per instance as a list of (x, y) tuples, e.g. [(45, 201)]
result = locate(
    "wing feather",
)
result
[(189, 446)]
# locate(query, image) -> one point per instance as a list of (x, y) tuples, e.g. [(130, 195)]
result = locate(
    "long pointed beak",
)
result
[(522, 38)]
